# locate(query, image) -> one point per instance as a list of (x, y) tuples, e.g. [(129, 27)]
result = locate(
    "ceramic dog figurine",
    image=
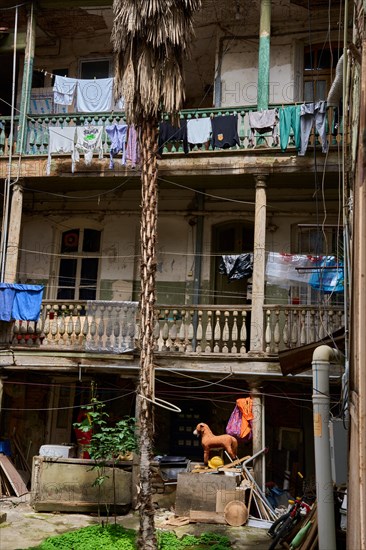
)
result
[(210, 441)]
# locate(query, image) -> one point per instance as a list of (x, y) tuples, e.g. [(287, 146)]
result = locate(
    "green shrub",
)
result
[(115, 537)]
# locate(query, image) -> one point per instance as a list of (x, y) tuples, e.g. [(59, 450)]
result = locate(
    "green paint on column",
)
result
[(264, 54), (27, 80)]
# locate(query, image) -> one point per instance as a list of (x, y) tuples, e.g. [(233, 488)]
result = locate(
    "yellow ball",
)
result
[(215, 462)]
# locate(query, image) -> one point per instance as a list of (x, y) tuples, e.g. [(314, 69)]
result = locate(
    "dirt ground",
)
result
[(25, 528)]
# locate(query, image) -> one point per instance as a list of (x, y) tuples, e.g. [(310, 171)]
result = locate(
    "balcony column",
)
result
[(258, 440), (257, 317), (264, 54), (12, 247), (27, 78)]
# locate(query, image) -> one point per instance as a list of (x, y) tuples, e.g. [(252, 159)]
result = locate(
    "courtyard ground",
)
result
[(25, 528)]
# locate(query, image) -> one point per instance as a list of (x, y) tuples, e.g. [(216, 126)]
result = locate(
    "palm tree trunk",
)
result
[(149, 209)]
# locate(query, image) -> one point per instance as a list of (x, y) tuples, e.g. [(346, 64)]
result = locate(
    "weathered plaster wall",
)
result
[(239, 73)]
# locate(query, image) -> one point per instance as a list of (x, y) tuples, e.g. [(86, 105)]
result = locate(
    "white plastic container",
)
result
[(63, 451)]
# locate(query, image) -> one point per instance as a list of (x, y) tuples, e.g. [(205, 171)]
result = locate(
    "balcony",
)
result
[(38, 131), (201, 330)]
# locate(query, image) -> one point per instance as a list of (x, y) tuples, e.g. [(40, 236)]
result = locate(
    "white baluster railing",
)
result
[(195, 330)]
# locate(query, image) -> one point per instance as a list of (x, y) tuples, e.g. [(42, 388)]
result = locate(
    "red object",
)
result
[(83, 438)]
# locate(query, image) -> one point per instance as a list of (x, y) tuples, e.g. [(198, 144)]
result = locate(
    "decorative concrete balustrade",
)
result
[(38, 129), (208, 330)]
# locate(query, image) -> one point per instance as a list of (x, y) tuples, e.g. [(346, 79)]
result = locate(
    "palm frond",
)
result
[(151, 38)]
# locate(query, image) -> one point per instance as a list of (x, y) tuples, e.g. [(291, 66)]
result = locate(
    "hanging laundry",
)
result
[(64, 90), (290, 120), (263, 122), (133, 147), (88, 142), (118, 136), (236, 267), (284, 269), (245, 406), (225, 131), (94, 95), (119, 105), (241, 420), (313, 114), (199, 130), (167, 133), (20, 302), (328, 275), (61, 141)]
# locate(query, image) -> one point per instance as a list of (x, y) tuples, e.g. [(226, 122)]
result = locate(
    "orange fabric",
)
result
[(246, 408)]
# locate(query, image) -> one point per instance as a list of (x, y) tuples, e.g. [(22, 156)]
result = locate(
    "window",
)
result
[(95, 68), (78, 275), (317, 240), (319, 70)]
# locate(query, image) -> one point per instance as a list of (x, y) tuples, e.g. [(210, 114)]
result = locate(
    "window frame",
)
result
[(79, 255)]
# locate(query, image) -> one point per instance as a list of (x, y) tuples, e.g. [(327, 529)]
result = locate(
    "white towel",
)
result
[(64, 89), (88, 141), (61, 141), (95, 95), (199, 130)]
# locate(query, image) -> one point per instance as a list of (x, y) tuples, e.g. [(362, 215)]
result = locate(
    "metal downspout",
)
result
[(322, 357)]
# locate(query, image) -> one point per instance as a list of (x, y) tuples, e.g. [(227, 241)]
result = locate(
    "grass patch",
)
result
[(115, 537)]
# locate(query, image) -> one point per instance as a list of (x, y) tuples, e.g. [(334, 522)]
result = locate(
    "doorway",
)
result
[(235, 237)]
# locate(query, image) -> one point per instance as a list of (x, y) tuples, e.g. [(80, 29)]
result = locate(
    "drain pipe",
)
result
[(322, 357)]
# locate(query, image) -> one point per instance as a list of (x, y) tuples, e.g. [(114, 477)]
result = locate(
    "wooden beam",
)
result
[(61, 4)]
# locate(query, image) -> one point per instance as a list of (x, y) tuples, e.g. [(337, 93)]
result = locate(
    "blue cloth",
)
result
[(21, 302), (6, 301), (330, 279), (118, 136)]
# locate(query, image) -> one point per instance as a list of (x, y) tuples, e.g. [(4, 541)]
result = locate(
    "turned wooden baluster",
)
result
[(54, 325), (312, 326), (217, 333), (38, 329), (93, 326), (46, 326), (101, 327), (295, 329), (165, 331), (226, 333), (117, 329), (243, 332), (234, 333), (199, 332), (61, 326), (173, 332), (277, 332), (108, 328), (85, 330), (70, 326), (208, 348), (303, 327), (190, 331), (285, 331), (30, 331), (182, 332), (77, 325)]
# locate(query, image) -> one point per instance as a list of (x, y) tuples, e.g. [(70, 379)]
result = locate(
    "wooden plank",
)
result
[(13, 476), (201, 516)]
